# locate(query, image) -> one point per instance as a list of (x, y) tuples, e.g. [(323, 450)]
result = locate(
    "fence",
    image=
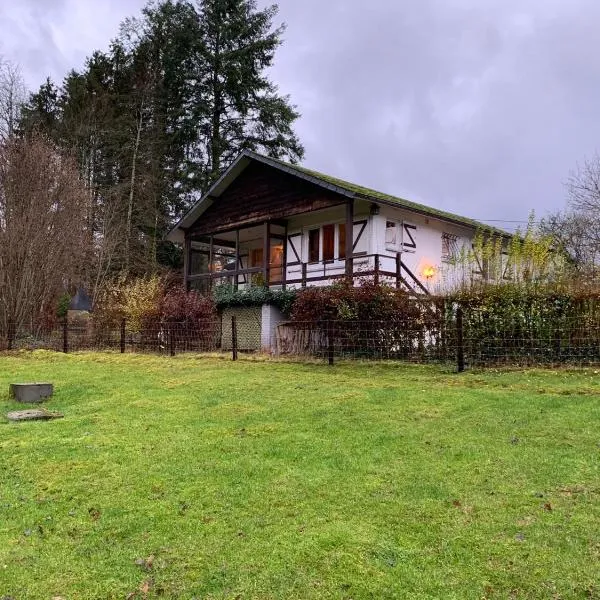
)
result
[(447, 333)]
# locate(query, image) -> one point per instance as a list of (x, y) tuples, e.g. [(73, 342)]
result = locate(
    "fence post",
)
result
[(171, 341), (122, 336), (234, 340), (330, 343), (460, 348), (66, 336), (11, 335)]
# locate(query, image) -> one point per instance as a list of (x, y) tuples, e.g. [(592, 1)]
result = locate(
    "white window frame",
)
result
[(398, 246), (336, 241)]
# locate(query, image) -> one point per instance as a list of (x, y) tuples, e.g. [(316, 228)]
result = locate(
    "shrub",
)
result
[(371, 318), (226, 296), (137, 301), (189, 308), (62, 305)]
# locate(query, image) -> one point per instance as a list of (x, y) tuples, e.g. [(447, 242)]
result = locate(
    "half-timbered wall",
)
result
[(420, 243)]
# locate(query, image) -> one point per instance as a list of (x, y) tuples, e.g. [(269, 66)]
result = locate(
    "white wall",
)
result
[(427, 256)]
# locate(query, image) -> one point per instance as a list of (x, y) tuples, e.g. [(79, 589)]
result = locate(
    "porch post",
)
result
[(211, 248), (284, 259), (267, 253), (187, 261), (236, 272), (349, 237)]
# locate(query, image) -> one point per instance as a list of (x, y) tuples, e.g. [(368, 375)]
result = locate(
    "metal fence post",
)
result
[(11, 335), (66, 336), (460, 348), (234, 340), (330, 344), (122, 336), (171, 341)]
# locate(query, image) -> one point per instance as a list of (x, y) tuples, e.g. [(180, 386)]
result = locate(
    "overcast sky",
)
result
[(481, 107)]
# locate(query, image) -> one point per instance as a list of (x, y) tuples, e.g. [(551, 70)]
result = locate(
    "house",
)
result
[(267, 222)]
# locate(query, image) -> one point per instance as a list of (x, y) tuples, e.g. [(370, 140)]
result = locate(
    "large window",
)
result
[(327, 243)]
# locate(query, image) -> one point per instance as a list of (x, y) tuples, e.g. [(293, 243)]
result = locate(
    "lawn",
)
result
[(193, 477)]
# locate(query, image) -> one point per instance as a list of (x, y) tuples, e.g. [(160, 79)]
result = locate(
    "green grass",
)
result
[(200, 478)]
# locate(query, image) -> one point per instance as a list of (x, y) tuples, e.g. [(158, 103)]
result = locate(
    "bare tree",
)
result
[(42, 229), (576, 231), (12, 97)]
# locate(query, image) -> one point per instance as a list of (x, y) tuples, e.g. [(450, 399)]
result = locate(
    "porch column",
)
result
[(349, 237), (211, 253), (284, 259), (187, 262), (267, 253), (236, 272)]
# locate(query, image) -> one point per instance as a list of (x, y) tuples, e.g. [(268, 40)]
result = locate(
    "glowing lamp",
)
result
[(429, 272)]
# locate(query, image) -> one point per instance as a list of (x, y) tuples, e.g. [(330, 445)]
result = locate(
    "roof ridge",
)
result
[(375, 195)]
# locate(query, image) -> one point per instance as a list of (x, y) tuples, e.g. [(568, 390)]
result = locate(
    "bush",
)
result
[(189, 308), (369, 319), (226, 296)]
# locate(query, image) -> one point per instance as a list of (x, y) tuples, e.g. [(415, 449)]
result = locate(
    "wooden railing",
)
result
[(311, 273)]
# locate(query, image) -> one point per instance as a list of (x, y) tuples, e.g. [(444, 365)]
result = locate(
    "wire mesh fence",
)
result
[(462, 336)]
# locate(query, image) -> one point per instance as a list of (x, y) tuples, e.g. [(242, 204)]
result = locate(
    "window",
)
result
[(392, 235), (342, 240), (449, 246), (313, 245), (327, 243)]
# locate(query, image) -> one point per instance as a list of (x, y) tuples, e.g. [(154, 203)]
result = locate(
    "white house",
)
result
[(267, 222)]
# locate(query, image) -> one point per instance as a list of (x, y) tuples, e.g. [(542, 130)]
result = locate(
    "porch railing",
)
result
[(388, 268)]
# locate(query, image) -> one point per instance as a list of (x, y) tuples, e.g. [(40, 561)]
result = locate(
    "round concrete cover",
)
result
[(33, 415)]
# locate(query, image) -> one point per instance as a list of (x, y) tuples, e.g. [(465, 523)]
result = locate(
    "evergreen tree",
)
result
[(237, 106), (155, 120)]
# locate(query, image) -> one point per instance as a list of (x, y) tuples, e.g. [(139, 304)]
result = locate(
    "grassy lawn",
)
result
[(200, 478)]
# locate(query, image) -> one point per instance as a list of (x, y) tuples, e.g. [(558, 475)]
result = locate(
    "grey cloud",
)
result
[(480, 107)]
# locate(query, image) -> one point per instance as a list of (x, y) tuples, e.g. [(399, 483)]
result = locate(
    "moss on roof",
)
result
[(375, 196)]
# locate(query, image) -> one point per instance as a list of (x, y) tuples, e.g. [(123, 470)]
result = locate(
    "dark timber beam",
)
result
[(267, 253), (349, 237), (236, 272), (210, 262), (187, 262), (284, 260)]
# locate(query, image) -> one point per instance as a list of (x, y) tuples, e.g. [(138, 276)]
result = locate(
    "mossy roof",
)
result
[(375, 196)]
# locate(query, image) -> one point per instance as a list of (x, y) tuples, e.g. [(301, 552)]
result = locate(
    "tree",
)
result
[(576, 231), (42, 225), (12, 97), (153, 121), (237, 106)]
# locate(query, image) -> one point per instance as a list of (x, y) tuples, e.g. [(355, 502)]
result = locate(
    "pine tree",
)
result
[(237, 107)]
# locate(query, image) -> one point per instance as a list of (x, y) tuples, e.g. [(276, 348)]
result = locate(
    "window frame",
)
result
[(336, 243), (452, 240), (397, 246)]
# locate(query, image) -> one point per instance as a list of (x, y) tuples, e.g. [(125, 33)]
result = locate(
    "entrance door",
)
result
[(275, 262)]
